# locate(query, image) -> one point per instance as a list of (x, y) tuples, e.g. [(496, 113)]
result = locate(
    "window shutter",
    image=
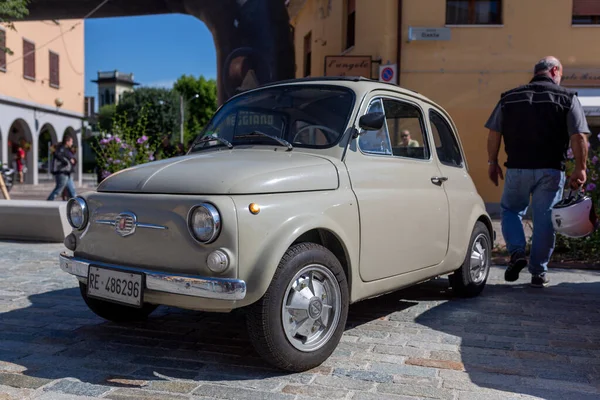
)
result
[(586, 8), (54, 70), (2, 50), (351, 6), (28, 59)]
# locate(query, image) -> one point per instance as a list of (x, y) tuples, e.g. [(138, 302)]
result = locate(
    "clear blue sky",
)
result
[(158, 49)]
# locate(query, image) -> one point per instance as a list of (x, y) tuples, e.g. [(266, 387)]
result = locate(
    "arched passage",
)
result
[(46, 140), (20, 137), (253, 39)]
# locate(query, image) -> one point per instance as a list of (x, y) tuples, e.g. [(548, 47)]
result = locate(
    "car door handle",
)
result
[(438, 180)]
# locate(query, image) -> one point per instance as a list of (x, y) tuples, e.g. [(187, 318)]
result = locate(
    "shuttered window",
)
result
[(307, 53), (2, 50), (586, 12), (474, 12), (350, 23), (54, 70), (28, 60)]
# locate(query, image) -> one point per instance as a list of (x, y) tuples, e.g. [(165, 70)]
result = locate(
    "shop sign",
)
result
[(581, 78), (591, 111), (348, 66)]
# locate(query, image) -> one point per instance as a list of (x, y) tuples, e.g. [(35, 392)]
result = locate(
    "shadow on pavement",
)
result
[(514, 338), (510, 338)]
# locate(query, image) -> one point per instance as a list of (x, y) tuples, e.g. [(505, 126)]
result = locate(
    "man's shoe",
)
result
[(518, 261), (539, 281)]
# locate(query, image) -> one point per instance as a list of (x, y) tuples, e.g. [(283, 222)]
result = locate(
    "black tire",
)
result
[(115, 312), (264, 318), (462, 282)]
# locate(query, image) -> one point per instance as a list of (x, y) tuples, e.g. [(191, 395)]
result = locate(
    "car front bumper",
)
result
[(187, 285)]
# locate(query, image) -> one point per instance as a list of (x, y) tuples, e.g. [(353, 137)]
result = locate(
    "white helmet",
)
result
[(575, 216)]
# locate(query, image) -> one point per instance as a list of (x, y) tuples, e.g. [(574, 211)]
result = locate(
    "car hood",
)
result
[(246, 171)]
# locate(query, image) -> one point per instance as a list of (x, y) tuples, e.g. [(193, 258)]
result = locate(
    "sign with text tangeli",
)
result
[(348, 66), (581, 77)]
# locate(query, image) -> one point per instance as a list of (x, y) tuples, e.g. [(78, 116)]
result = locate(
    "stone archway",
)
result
[(19, 136), (46, 139)]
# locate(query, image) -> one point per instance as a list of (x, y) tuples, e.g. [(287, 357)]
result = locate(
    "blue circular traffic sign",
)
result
[(387, 74)]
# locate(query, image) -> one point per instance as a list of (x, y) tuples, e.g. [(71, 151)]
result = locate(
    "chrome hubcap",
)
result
[(310, 310), (479, 259)]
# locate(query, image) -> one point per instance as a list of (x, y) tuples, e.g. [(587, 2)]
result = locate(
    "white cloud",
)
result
[(167, 83)]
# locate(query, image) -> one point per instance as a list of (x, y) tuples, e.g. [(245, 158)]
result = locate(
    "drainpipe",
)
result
[(399, 49)]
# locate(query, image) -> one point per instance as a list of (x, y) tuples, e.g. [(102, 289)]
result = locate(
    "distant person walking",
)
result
[(63, 162), (537, 122)]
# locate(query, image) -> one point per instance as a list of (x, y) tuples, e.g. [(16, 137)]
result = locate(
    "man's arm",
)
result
[(578, 131), (494, 124)]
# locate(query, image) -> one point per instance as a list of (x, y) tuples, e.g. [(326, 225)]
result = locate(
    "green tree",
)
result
[(106, 114), (11, 10), (161, 109), (200, 100)]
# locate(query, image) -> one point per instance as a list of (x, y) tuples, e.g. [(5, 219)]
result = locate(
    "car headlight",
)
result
[(77, 213), (205, 223)]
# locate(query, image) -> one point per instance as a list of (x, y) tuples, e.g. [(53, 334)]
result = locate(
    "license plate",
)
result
[(117, 286)]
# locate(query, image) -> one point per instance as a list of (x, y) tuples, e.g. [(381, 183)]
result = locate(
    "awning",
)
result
[(590, 100)]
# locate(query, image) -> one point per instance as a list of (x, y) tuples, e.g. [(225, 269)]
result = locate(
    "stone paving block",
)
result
[(362, 375), (374, 396), (22, 381), (400, 369), (349, 383), (224, 392), (401, 351), (78, 388), (172, 386), (137, 394), (416, 391), (314, 391)]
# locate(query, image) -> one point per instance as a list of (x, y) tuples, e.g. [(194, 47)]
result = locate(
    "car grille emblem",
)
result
[(125, 224)]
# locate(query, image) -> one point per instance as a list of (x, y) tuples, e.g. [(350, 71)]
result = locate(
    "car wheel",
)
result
[(115, 312), (470, 279), (299, 321)]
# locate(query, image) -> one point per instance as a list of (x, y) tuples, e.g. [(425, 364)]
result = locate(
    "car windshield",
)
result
[(308, 116)]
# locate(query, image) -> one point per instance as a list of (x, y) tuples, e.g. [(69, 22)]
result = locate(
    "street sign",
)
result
[(415, 33), (388, 73)]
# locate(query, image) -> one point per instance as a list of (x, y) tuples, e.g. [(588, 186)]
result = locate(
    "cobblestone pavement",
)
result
[(513, 342)]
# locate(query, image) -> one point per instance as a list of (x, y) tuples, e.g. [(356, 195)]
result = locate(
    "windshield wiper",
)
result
[(281, 141), (211, 138)]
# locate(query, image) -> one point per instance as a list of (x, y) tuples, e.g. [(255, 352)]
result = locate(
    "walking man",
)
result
[(62, 167), (538, 121)]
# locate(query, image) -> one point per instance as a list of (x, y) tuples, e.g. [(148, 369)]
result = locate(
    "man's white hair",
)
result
[(545, 65)]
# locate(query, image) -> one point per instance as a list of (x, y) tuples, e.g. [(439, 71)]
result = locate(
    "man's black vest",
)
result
[(534, 124)]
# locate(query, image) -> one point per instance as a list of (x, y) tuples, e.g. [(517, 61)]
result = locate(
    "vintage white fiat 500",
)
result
[(298, 199)]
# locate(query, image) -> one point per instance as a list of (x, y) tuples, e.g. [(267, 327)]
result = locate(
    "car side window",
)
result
[(375, 142), (406, 130), (445, 142)]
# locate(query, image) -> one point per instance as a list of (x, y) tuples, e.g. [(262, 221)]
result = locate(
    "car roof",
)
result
[(363, 83)]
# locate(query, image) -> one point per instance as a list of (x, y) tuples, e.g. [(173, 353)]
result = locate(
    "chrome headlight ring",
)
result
[(204, 223), (77, 213)]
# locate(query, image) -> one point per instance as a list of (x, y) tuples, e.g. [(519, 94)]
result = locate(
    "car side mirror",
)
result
[(372, 121)]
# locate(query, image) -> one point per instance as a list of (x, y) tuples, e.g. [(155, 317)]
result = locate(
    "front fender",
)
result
[(265, 237)]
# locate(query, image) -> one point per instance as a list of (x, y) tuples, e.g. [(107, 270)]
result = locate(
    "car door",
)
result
[(458, 185), (403, 209)]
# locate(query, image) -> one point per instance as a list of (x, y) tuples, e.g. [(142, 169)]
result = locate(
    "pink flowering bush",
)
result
[(587, 249), (127, 145)]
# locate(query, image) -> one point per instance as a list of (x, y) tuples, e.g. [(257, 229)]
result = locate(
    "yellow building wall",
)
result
[(70, 48), (376, 32), (466, 74)]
